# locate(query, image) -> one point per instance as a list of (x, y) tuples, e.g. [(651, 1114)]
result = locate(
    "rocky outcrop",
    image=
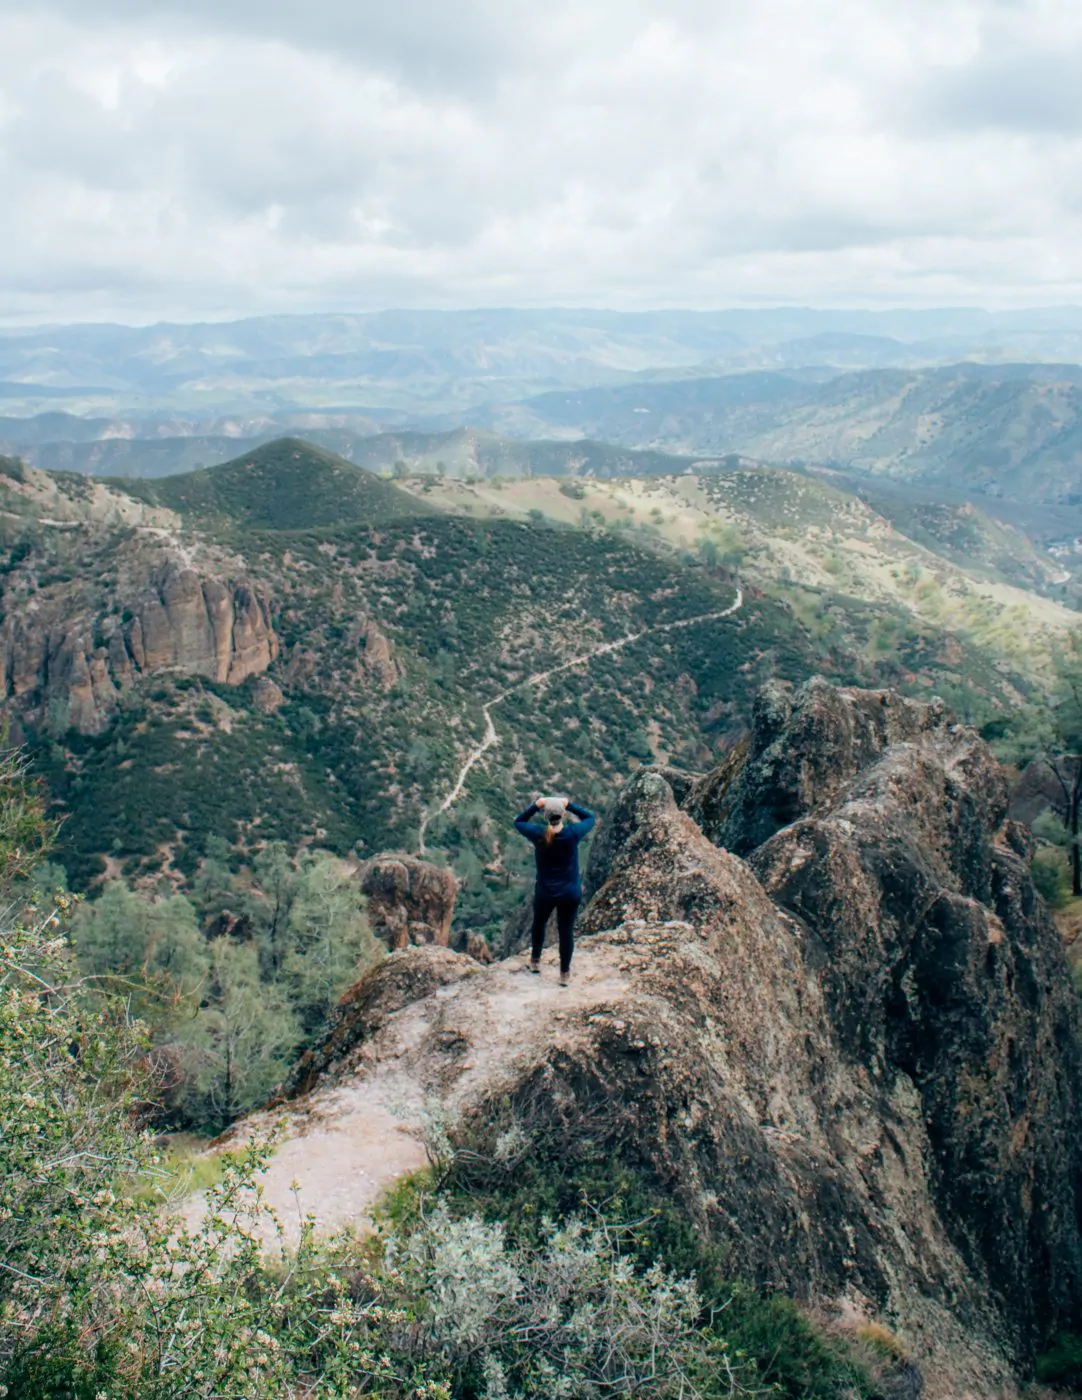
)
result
[(804, 747), (937, 981), (473, 944), (1040, 790), (180, 622), (410, 901), (406, 976), (266, 696), (851, 1056), (376, 656)]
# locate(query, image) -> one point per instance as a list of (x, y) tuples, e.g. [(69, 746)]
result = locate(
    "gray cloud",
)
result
[(201, 159), (456, 47), (1031, 91)]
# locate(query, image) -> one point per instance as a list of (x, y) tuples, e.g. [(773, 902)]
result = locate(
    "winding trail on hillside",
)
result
[(491, 735)]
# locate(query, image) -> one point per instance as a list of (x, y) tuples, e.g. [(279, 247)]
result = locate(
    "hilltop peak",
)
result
[(287, 484)]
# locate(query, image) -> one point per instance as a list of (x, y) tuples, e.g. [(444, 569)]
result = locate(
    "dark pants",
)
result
[(566, 909)]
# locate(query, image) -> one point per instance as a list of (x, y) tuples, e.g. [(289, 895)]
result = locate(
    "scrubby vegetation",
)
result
[(104, 1293), (467, 608), (229, 982), (285, 485)]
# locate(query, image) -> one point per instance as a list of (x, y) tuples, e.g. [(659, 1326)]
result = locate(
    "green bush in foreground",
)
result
[(1061, 1365), (522, 1176)]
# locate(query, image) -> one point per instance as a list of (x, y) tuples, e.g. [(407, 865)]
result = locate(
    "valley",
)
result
[(370, 618), (540, 700)]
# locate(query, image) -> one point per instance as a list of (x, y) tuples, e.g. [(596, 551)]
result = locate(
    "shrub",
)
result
[(570, 1316), (520, 1174), (1062, 1364), (1051, 877)]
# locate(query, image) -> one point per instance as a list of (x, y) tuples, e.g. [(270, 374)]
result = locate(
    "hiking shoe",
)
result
[(535, 966), (565, 979)]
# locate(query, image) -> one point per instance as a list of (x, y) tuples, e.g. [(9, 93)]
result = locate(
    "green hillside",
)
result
[(287, 484), (399, 613), (1010, 430), (468, 609)]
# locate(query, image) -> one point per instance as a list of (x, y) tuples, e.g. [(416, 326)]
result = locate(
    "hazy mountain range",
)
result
[(435, 363), (989, 405), (1008, 432)]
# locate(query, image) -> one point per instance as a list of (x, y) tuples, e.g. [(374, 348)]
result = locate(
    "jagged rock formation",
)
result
[(410, 901), (805, 748), (853, 1057), (936, 984), (376, 655), (57, 650), (474, 944)]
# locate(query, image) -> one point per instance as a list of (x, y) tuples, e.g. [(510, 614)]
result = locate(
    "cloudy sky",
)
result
[(201, 158)]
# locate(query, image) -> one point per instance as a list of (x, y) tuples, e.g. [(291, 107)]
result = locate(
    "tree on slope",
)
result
[(1061, 742), (147, 950)]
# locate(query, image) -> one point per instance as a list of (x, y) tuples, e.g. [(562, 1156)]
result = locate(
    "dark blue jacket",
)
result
[(558, 875)]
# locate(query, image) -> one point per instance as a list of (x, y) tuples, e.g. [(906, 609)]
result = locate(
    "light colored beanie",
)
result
[(553, 807)]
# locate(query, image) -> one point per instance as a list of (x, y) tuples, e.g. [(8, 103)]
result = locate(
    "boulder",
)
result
[(267, 697), (410, 901), (473, 944)]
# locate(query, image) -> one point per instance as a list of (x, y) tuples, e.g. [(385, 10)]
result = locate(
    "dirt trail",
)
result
[(344, 1145), (491, 735)]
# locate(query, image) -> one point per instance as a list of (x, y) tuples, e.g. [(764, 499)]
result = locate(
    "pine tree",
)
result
[(148, 950), (241, 1043)]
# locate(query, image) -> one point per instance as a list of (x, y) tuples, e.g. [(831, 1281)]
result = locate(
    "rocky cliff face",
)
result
[(81, 648), (900, 1072), (852, 1053)]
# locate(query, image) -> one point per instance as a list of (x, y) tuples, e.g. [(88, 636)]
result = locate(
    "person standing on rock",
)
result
[(559, 880)]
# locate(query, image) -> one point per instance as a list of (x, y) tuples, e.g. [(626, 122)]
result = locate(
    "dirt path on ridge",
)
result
[(491, 735), (344, 1144)]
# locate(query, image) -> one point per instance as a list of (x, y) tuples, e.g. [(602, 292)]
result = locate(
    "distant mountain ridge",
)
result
[(1011, 431), (446, 362), (461, 452)]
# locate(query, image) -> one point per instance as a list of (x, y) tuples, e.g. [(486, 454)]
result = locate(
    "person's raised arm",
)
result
[(586, 819), (523, 825)]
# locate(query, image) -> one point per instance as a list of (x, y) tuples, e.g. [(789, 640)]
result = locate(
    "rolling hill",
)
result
[(458, 452), (287, 484)]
